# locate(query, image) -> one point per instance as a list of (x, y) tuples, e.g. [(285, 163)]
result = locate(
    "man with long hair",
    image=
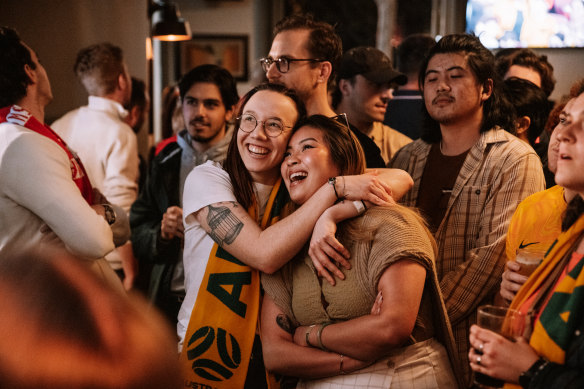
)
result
[(469, 175)]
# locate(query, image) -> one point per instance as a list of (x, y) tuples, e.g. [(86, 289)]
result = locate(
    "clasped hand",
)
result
[(171, 225)]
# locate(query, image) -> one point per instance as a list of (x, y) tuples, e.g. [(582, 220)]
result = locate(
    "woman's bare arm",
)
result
[(303, 362), (267, 250), (360, 340), (402, 286)]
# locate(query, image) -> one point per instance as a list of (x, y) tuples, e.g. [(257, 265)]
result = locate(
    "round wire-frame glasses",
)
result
[(273, 127)]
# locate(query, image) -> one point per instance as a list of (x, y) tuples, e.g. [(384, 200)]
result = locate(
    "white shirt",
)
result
[(106, 145), (108, 148), (206, 184)]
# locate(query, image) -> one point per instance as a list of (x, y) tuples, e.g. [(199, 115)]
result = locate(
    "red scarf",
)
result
[(20, 116)]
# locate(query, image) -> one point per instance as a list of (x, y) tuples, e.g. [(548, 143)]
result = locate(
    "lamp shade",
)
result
[(168, 25)]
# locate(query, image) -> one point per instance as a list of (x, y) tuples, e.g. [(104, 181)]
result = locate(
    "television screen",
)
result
[(526, 23)]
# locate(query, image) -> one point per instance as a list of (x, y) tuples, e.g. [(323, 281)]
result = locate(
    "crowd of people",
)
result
[(338, 226)]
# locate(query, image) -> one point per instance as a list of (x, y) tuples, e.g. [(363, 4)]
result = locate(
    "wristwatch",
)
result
[(110, 214), (526, 377)]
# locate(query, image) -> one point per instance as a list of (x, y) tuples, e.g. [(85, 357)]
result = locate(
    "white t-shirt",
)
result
[(206, 184)]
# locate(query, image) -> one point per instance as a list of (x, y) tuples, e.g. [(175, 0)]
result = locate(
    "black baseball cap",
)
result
[(372, 64)]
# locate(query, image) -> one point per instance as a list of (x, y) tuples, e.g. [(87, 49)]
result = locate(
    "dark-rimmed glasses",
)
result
[(273, 127), (283, 63)]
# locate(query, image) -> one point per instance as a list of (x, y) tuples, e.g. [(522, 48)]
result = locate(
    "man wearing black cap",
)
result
[(304, 56), (366, 81)]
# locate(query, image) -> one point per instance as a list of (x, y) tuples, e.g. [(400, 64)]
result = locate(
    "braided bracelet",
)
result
[(333, 181)]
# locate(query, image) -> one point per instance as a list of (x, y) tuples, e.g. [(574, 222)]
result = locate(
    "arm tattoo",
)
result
[(224, 225), (285, 323)]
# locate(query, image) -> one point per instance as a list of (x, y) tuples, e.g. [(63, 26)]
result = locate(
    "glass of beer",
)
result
[(505, 321), (529, 259)]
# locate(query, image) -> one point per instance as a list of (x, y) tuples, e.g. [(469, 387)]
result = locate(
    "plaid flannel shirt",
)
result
[(498, 173)]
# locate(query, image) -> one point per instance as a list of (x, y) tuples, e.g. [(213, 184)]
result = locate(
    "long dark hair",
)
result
[(233, 164), (496, 109)]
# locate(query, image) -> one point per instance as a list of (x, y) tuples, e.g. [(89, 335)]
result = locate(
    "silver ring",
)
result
[(481, 347), (479, 360)]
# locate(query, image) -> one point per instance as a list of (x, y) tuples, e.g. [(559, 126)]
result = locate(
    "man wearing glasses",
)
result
[(304, 57)]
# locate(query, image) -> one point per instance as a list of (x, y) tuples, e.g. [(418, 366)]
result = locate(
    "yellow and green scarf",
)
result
[(553, 331), (219, 339)]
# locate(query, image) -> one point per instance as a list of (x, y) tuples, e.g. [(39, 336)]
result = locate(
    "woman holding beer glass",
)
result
[(552, 296)]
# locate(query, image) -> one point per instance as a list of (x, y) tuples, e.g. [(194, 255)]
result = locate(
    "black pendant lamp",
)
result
[(167, 24)]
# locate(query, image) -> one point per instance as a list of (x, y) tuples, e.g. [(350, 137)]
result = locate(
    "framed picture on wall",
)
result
[(228, 51)]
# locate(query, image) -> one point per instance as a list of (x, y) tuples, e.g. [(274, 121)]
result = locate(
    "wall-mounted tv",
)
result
[(526, 23)]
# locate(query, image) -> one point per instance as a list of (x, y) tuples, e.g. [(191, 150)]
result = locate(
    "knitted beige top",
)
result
[(397, 234)]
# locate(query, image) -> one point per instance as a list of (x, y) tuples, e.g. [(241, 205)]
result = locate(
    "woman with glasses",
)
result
[(340, 332), (230, 214)]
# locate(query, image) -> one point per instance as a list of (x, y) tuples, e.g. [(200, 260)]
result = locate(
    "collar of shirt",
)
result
[(103, 104)]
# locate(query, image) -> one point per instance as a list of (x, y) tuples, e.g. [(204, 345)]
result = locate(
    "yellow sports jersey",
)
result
[(537, 221)]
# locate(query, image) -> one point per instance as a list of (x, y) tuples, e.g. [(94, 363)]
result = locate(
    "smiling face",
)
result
[(452, 93), (302, 76), (307, 164), (260, 153), (570, 133), (205, 114)]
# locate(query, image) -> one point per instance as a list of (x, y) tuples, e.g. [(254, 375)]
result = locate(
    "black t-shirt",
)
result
[(438, 179), (373, 157)]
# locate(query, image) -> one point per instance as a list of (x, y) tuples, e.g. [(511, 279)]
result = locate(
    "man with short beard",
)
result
[(304, 57), (208, 95), (469, 175)]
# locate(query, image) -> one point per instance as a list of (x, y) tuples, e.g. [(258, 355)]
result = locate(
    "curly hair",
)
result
[(529, 59), (13, 77)]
